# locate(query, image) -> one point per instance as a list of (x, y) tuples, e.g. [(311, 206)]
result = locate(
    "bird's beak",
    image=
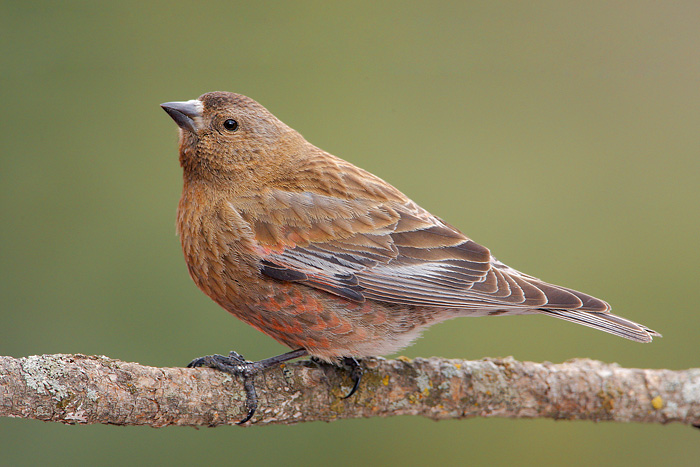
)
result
[(187, 114)]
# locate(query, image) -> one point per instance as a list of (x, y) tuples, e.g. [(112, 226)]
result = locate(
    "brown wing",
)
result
[(338, 228), (391, 254)]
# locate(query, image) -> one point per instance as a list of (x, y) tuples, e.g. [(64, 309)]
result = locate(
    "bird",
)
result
[(327, 258)]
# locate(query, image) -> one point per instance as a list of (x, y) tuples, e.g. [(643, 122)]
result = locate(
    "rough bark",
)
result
[(79, 389)]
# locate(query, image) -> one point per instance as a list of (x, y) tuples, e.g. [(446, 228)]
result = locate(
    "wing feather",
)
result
[(349, 233)]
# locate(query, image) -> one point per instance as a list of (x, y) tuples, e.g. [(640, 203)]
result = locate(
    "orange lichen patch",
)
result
[(657, 403), (607, 401)]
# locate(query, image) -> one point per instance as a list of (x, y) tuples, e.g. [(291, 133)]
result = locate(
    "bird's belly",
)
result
[(328, 326)]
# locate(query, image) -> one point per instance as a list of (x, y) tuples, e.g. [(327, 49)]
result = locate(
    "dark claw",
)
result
[(238, 366), (356, 372), (251, 399)]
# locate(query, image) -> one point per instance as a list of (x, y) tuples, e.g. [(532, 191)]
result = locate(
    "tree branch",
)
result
[(81, 389)]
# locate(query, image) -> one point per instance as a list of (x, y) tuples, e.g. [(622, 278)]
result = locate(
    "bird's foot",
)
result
[(238, 366), (356, 371)]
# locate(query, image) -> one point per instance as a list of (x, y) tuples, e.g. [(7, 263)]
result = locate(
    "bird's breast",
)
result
[(218, 246)]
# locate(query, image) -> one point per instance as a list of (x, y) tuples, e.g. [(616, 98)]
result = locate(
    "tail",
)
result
[(605, 321)]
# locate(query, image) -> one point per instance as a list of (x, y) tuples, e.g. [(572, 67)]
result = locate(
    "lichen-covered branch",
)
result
[(88, 389)]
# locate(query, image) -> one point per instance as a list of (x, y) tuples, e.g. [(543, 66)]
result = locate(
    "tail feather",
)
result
[(606, 322)]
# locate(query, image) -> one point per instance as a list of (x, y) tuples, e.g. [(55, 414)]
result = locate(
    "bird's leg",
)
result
[(238, 366), (356, 372)]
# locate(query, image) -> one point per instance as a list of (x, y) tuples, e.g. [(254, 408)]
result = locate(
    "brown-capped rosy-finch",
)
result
[(327, 258)]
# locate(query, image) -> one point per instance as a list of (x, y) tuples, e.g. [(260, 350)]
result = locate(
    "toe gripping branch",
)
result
[(238, 366), (234, 364), (356, 373)]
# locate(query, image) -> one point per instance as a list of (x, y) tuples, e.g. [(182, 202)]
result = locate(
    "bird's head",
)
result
[(230, 138)]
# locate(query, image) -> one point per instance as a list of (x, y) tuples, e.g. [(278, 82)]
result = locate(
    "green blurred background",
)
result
[(563, 135)]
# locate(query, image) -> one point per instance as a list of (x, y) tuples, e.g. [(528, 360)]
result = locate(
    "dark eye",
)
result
[(231, 124)]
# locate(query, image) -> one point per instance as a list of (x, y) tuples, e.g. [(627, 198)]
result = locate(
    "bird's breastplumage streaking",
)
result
[(324, 256)]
